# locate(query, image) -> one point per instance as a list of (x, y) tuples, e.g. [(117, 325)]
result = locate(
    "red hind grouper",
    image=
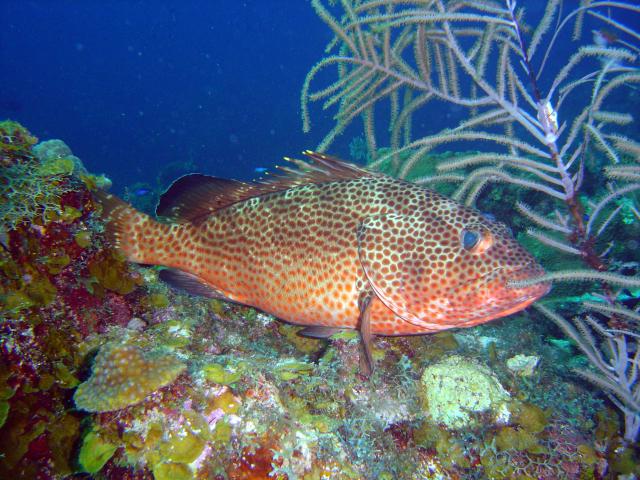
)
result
[(332, 246)]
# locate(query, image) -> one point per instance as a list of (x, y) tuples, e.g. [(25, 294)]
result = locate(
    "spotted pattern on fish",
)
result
[(307, 246)]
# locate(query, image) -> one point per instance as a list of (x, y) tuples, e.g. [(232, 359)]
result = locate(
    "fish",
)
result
[(141, 192), (329, 245), (604, 38)]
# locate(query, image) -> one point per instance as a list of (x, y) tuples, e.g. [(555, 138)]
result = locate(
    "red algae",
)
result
[(254, 465)]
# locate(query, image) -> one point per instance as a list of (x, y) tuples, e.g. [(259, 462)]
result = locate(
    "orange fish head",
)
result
[(483, 290), (450, 267)]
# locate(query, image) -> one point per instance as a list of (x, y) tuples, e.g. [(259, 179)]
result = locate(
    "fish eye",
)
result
[(476, 240), (470, 239)]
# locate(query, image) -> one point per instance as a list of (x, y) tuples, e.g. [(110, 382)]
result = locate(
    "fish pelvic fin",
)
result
[(136, 235)]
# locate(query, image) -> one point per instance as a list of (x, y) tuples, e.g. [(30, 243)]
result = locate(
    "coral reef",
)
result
[(106, 372), (16, 143), (123, 375), (455, 388), (195, 388)]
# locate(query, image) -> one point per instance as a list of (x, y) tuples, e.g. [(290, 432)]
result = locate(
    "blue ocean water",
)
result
[(132, 86), (147, 90)]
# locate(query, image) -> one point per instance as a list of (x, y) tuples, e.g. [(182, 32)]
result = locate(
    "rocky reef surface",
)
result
[(107, 373)]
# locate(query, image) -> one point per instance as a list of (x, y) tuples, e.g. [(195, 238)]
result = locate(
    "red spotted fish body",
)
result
[(333, 245)]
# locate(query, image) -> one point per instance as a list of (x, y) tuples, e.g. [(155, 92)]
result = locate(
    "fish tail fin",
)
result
[(136, 235)]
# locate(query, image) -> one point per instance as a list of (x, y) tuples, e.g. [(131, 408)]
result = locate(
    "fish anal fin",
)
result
[(189, 283)]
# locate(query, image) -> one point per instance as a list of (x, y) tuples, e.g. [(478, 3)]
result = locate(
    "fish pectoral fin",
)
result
[(366, 336), (189, 283), (319, 332)]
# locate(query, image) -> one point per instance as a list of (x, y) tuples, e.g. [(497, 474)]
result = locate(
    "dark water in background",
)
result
[(133, 85)]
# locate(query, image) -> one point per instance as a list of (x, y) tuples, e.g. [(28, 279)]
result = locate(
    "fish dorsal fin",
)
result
[(318, 168), (404, 287), (193, 197)]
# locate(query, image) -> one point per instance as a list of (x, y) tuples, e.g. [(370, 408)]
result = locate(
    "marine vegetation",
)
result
[(560, 133)]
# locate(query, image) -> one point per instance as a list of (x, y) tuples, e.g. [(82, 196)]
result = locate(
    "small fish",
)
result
[(331, 246), (260, 170), (604, 38), (141, 192), (608, 39)]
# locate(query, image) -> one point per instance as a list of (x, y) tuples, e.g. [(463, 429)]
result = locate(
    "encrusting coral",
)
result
[(124, 375), (456, 388)]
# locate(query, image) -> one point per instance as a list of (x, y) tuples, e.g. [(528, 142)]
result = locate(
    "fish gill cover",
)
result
[(525, 113)]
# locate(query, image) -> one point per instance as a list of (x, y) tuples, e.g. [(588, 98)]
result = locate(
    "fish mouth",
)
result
[(487, 298), (517, 297), (523, 296), (528, 273), (511, 277)]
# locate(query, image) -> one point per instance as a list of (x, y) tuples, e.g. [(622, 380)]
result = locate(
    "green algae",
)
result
[(217, 373), (509, 438), (530, 417), (64, 434), (70, 214), (83, 238), (291, 369), (303, 344), (16, 440), (64, 377), (182, 446), (59, 166), (226, 402), (95, 453), (222, 432), (171, 471), (157, 300), (4, 412), (451, 451), (56, 263), (112, 273), (173, 334), (40, 291)]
